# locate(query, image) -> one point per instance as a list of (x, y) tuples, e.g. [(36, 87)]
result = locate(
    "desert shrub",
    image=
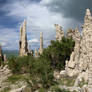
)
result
[(14, 78), (58, 52), (41, 73), (20, 64), (68, 81), (57, 89), (41, 68), (82, 83), (41, 90), (7, 89)]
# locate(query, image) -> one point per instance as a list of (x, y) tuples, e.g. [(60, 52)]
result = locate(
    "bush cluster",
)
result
[(41, 68), (41, 74), (58, 52)]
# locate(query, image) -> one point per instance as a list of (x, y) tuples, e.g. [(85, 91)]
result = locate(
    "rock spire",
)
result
[(1, 52), (81, 58), (36, 53), (59, 32), (41, 43), (23, 45)]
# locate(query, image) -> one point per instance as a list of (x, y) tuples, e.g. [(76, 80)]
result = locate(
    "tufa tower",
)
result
[(41, 43), (36, 53), (80, 62), (59, 32), (23, 45)]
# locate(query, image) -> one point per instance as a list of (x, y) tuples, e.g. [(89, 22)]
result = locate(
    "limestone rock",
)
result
[(57, 75), (59, 32), (71, 89), (23, 45), (4, 74), (62, 73), (74, 34), (81, 57), (19, 89), (5, 57), (86, 88), (36, 53), (41, 43)]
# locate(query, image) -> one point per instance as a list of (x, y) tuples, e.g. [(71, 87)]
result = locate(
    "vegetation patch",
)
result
[(41, 69), (7, 89), (57, 89), (82, 83), (14, 78), (68, 81)]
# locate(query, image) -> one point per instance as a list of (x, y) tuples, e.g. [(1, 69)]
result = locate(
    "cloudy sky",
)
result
[(41, 15)]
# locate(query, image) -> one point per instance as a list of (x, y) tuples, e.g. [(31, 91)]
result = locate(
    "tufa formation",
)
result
[(2, 56), (41, 43), (23, 45), (59, 32), (80, 62)]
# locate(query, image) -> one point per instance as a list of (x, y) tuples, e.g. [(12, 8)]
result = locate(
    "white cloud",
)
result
[(33, 41), (44, 2), (39, 19), (9, 38), (3, 44)]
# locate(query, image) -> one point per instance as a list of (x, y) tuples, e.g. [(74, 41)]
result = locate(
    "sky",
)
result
[(41, 15)]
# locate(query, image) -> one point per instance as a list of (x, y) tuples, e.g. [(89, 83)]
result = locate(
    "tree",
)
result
[(59, 52)]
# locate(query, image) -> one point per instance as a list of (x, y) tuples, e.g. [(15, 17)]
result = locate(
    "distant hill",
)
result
[(10, 53)]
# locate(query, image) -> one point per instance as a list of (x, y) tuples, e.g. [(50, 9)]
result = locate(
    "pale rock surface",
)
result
[(59, 32), (4, 74), (63, 73), (36, 53), (71, 89), (81, 58), (57, 75), (23, 45), (41, 43)]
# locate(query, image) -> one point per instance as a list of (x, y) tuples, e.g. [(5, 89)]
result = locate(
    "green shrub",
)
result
[(68, 81), (58, 52), (57, 89), (82, 83), (41, 90), (7, 89), (14, 78), (20, 64), (41, 73), (41, 68)]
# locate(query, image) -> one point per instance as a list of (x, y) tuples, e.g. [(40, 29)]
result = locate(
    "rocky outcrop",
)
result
[(19, 86), (41, 43), (23, 45), (2, 56), (4, 74), (81, 58), (59, 32), (36, 53)]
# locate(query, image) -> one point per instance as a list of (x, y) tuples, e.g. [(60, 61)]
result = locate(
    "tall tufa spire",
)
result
[(88, 13), (0, 50), (59, 32), (41, 43), (23, 45), (1, 54), (88, 17), (24, 25), (36, 53)]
